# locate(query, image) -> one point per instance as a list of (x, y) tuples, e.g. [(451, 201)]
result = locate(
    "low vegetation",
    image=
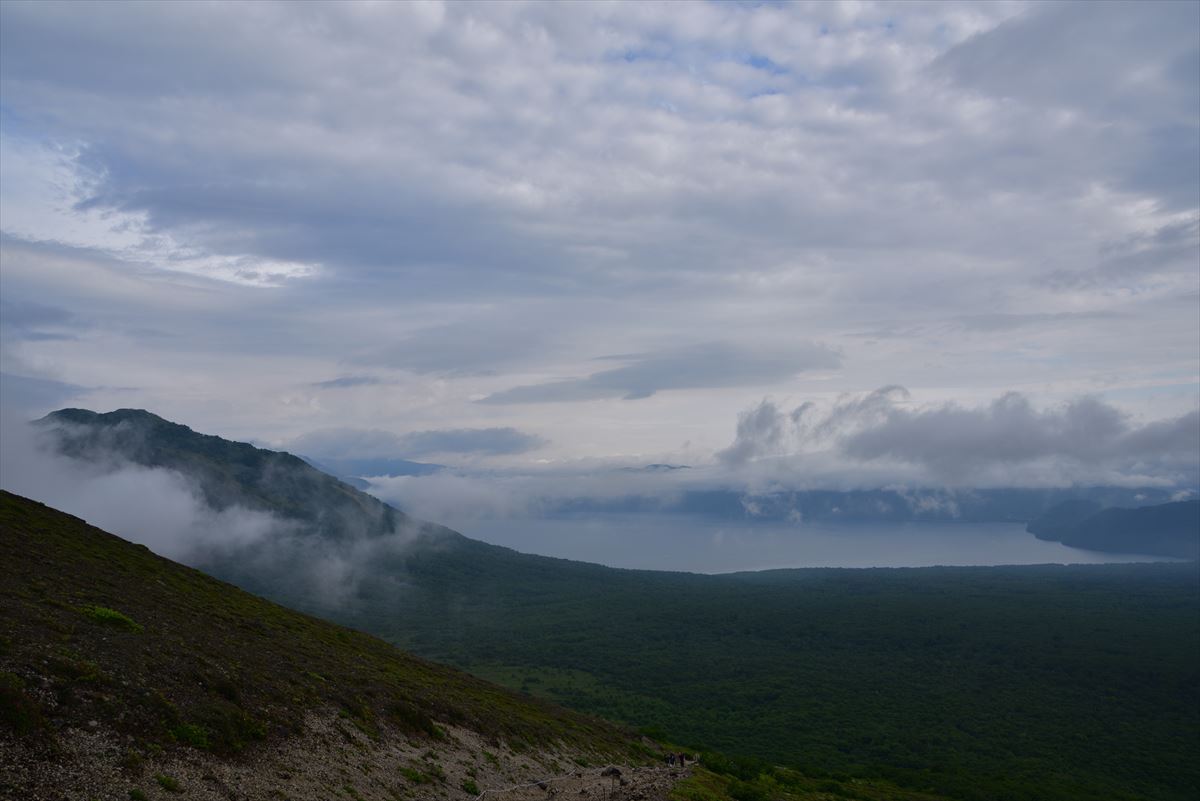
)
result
[(175, 659)]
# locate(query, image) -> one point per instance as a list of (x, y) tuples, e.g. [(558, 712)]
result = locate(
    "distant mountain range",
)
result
[(1008, 505), (1168, 529)]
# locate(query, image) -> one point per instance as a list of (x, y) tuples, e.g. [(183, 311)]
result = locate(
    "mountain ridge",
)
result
[(1168, 529)]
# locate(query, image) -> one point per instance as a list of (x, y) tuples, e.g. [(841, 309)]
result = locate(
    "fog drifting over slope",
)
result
[(167, 512)]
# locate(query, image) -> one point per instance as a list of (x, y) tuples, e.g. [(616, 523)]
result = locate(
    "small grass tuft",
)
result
[(470, 787), (111, 617), (168, 783)]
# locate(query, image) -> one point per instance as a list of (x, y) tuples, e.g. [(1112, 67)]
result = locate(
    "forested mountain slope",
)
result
[(1166, 529)]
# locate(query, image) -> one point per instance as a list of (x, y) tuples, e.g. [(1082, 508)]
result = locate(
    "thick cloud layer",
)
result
[(276, 219), (1083, 441)]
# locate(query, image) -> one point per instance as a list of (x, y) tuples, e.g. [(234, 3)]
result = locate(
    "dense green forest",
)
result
[(980, 683)]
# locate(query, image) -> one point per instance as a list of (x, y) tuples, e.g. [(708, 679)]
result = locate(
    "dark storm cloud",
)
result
[(699, 367)]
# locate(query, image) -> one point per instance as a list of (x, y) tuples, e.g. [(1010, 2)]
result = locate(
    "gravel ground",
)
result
[(331, 760)]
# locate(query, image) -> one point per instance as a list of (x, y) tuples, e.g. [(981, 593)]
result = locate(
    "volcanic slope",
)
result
[(125, 675)]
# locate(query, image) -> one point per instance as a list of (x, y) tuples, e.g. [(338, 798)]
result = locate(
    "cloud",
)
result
[(1083, 440), (471, 440), (34, 395), (482, 343), (697, 367), (345, 382), (35, 321), (155, 507), (363, 444), (462, 497), (234, 210), (166, 511), (1136, 63)]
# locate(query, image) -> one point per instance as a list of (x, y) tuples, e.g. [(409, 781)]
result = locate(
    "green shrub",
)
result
[(410, 718), (193, 735), (111, 617), (413, 775), (470, 787), (747, 791), (168, 783), (137, 795)]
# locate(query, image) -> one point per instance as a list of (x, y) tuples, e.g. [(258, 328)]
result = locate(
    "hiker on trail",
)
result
[(682, 760), (671, 760)]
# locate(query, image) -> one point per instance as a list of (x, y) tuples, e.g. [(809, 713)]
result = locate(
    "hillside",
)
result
[(118, 667), (126, 676), (226, 473), (1167, 529), (1025, 683)]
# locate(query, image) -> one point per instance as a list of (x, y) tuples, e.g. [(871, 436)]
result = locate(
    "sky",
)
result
[(850, 243)]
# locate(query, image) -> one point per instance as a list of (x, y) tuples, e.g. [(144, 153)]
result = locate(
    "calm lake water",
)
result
[(699, 545)]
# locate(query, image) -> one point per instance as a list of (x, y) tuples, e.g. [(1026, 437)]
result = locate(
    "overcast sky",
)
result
[(508, 235)]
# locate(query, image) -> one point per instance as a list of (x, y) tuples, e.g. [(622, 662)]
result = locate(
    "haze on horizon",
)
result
[(831, 244)]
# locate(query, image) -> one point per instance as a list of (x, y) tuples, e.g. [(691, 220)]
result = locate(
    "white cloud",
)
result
[(1007, 442), (472, 201)]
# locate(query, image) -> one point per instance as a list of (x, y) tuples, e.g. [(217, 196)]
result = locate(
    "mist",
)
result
[(157, 508), (167, 512)]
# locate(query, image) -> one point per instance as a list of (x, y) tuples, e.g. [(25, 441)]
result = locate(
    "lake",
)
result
[(701, 545)]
